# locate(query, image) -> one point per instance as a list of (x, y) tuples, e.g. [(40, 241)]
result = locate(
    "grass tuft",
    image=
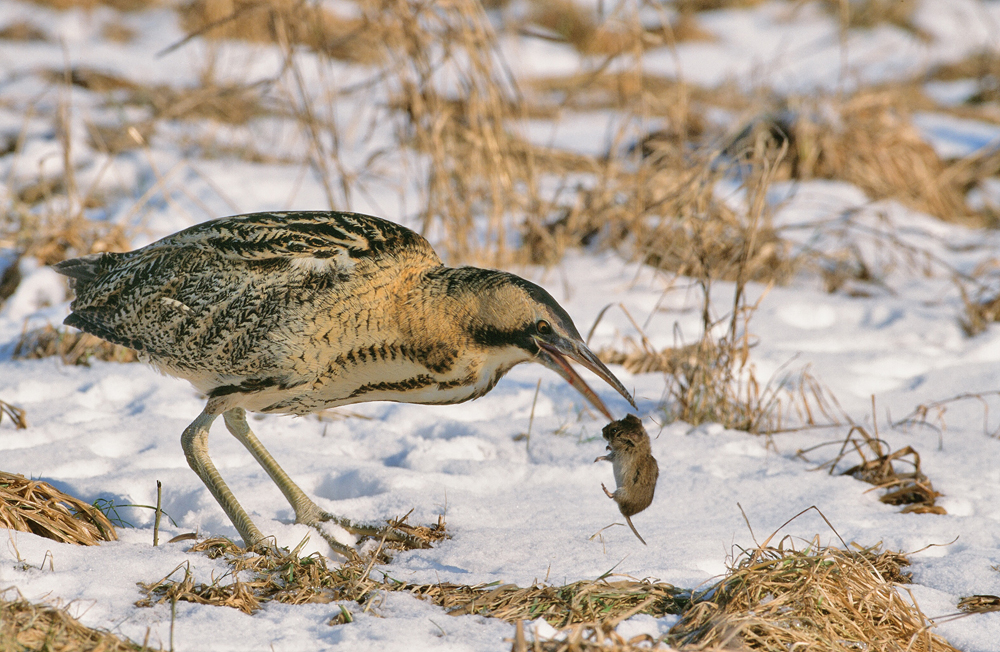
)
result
[(910, 488), (869, 140), (867, 14), (13, 413), (310, 24), (37, 507), (27, 626), (23, 31), (74, 347), (821, 598), (288, 578)]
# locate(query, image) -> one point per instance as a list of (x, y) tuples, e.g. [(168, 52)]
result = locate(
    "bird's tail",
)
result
[(82, 270)]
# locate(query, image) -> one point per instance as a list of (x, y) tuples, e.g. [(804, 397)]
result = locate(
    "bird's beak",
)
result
[(554, 357)]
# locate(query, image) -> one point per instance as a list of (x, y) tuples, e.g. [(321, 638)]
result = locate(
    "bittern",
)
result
[(296, 312)]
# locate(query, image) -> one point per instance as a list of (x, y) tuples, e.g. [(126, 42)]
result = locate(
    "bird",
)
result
[(296, 312)]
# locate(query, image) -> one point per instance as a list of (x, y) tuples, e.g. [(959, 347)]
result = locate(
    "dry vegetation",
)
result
[(13, 413), (37, 507), (74, 347), (822, 598), (865, 14), (481, 182), (868, 139), (773, 598), (291, 579), (884, 469), (26, 626)]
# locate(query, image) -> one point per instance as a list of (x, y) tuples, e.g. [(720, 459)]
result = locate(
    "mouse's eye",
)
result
[(543, 327)]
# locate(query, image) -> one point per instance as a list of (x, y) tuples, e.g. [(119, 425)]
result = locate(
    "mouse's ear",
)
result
[(633, 421)]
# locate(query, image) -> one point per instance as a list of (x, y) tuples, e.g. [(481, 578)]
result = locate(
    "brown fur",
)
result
[(635, 467)]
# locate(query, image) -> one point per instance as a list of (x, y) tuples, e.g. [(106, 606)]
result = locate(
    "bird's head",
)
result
[(519, 321)]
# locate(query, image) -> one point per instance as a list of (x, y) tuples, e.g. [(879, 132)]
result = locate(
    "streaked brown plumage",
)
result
[(296, 312), (636, 470)]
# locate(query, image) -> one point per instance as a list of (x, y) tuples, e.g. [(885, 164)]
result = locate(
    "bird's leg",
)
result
[(306, 511), (194, 441)]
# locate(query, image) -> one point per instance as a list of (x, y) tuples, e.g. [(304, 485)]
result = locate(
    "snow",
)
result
[(519, 510)]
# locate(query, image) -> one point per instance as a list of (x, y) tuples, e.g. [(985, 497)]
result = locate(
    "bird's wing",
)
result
[(303, 234), (209, 296)]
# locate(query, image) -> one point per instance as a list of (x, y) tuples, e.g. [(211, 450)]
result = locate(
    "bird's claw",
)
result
[(395, 532)]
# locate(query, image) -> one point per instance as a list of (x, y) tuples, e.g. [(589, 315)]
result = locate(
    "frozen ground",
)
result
[(524, 511)]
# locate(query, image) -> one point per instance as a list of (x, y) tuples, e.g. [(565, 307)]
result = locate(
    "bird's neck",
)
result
[(442, 318)]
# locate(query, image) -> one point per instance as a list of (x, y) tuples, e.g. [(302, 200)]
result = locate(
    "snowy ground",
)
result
[(520, 511)]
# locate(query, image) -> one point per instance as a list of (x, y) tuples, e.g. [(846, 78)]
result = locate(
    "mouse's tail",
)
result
[(634, 531)]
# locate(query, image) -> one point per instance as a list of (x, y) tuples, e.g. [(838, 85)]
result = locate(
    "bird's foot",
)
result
[(398, 534), (346, 551)]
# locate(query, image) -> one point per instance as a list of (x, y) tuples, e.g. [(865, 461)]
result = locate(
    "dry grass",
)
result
[(290, 579), (13, 413), (25, 626), (73, 347), (52, 237), (771, 599), (866, 14), (473, 174), (821, 598), (714, 5), (712, 378), (586, 601), (982, 66), (37, 507), (616, 32), (118, 32), (884, 468), (23, 31), (868, 139), (310, 24), (120, 5), (978, 312), (932, 414), (233, 104), (979, 604)]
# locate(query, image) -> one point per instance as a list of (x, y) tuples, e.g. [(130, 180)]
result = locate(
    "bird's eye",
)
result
[(543, 327)]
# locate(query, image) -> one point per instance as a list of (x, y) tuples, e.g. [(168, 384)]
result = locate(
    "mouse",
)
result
[(635, 467)]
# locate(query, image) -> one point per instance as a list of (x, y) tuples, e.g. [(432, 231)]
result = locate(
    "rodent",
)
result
[(635, 467)]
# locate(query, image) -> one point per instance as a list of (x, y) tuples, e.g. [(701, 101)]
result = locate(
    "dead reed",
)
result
[(288, 578), (979, 604), (983, 67), (868, 139), (712, 379), (27, 626), (932, 413), (823, 598), (474, 175), (13, 413), (773, 598), (23, 31), (879, 466), (120, 5), (313, 25), (866, 14), (73, 347), (37, 507), (980, 297)]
